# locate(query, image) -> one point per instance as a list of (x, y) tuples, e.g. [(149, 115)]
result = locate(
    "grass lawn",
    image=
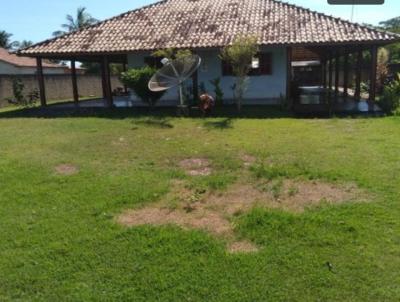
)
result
[(60, 240)]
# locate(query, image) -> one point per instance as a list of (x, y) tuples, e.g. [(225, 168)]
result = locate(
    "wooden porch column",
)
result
[(337, 73), (40, 76), (124, 69), (74, 82), (323, 75), (374, 63), (288, 72), (357, 92), (330, 71), (346, 74), (106, 81)]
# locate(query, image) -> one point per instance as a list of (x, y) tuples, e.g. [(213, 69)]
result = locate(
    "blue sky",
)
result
[(36, 19)]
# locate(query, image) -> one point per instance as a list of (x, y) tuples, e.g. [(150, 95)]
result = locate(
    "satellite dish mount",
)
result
[(174, 73)]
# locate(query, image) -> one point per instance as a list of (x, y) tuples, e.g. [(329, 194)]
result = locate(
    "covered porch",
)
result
[(108, 98), (337, 79), (337, 89)]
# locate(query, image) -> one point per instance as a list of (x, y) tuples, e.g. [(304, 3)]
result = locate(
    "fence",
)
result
[(58, 87)]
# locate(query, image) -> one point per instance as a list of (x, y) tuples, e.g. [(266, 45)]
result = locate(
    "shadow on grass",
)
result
[(155, 122), (227, 112), (225, 123)]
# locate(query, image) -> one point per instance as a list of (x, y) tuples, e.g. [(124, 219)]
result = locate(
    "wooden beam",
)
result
[(373, 72), (346, 74), (330, 71), (74, 83), (323, 71), (106, 82), (124, 69), (103, 78), (357, 92), (288, 72), (42, 89), (337, 73)]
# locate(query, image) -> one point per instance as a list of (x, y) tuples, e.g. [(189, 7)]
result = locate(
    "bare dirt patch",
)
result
[(213, 211), (237, 247), (121, 141), (197, 219), (248, 160), (296, 196), (196, 166), (66, 169)]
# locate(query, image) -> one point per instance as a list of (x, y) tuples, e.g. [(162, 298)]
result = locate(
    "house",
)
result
[(206, 26), (11, 64)]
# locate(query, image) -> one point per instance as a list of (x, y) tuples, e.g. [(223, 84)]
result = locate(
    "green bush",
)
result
[(390, 100), (18, 91), (20, 98), (364, 87), (138, 80), (239, 56), (219, 94)]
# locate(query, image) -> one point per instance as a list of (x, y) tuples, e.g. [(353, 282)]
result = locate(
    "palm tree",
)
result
[(83, 19), (5, 41), (24, 44)]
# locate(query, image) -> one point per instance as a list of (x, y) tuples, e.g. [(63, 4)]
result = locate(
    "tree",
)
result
[(138, 80), (392, 25), (83, 19), (24, 44), (239, 55), (5, 40), (382, 68), (91, 67), (390, 101), (172, 53)]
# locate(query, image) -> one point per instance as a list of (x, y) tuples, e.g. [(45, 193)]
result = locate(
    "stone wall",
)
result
[(58, 87)]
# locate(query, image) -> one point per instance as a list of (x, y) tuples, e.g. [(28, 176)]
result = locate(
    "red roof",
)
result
[(15, 60), (210, 23)]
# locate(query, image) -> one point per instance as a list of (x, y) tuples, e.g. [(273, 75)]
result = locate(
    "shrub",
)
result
[(239, 55), (382, 69), (219, 94), (138, 80), (18, 91), (19, 96), (390, 100), (364, 87)]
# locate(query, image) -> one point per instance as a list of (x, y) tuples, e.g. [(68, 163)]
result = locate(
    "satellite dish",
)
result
[(174, 73)]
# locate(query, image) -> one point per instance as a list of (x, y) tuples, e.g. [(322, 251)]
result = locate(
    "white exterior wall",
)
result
[(265, 89), (9, 69)]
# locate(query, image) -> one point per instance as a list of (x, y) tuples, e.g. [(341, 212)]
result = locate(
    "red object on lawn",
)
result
[(207, 103)]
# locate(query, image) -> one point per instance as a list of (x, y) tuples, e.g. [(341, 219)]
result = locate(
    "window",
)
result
[(265, 63), (261, 65)]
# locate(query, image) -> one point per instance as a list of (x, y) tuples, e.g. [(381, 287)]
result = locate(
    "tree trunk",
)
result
[(240, 90), (239, 104)]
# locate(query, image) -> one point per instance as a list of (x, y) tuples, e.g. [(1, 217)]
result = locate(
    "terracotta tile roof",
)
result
[(209, 23), (15, 60)]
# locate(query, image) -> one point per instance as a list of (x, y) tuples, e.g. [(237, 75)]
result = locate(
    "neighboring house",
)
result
[(11, 64), (206, 26)]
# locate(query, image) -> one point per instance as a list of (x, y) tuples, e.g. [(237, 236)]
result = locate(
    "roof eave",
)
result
[(71, 55)]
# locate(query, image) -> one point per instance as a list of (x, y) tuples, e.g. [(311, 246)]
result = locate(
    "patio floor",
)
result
[(119, 101), (312, 100)]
